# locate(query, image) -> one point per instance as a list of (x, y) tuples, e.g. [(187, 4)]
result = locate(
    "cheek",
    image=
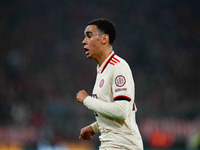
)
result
[(95, 43)]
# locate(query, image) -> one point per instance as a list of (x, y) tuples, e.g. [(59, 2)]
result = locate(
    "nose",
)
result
[(84, 41)]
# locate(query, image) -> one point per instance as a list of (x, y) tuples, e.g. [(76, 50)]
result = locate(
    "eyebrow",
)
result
[(88, 32)]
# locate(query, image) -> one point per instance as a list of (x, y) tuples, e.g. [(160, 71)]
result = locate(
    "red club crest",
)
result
[(101, 83)]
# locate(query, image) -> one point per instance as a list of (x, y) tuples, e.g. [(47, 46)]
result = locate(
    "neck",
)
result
[(104, 55)]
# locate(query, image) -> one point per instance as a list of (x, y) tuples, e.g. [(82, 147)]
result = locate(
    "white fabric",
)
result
[(115, 119)]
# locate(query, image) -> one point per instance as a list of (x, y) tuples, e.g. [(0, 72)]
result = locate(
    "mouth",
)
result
[(87, 51)]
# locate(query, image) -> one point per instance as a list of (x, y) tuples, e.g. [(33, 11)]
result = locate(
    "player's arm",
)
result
[(118, 109), (95, 127)]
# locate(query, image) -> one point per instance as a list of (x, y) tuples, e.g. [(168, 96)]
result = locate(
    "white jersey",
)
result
[(113, 102)]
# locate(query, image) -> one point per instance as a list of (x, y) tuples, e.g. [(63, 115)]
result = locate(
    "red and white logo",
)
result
[(101, 83), (120, 81)]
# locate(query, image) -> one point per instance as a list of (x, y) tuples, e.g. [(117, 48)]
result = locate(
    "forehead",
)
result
[(91, 29)]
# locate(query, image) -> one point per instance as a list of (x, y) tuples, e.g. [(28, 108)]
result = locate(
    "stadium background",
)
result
[(43, 65)]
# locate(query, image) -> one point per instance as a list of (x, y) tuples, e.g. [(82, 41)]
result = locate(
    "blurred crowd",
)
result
[(43, 65)]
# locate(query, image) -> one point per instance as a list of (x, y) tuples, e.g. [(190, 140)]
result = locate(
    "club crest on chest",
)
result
[(101, 83)]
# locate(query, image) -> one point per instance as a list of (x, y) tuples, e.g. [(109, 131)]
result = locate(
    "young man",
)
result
[(113, 93)]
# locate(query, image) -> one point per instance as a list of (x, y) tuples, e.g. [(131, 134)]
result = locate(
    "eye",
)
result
[(89, 35)]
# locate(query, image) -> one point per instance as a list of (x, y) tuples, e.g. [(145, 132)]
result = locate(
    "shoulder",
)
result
[(116, 64), (119, 62)]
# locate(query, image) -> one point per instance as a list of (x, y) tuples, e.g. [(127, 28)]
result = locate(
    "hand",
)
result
[(86, 133), (81, 95)]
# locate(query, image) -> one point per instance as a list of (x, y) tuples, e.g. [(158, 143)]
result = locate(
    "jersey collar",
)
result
[(105, 63)]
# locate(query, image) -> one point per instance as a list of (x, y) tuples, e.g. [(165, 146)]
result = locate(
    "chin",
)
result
[(89, 56)]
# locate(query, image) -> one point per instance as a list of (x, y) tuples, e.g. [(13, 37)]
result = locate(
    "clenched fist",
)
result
[(81, 95), (86, 133)]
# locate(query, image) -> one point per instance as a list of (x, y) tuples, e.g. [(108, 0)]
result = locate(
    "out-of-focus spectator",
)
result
[(161, 140), (193, 142)]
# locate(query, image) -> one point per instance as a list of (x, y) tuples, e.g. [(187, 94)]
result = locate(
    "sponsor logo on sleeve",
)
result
[(120, 89)]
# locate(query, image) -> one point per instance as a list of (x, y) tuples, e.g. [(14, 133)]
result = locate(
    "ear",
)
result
[(105, 38)]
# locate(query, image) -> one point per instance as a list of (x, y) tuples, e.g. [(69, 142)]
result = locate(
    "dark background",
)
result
[(43, 64)]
